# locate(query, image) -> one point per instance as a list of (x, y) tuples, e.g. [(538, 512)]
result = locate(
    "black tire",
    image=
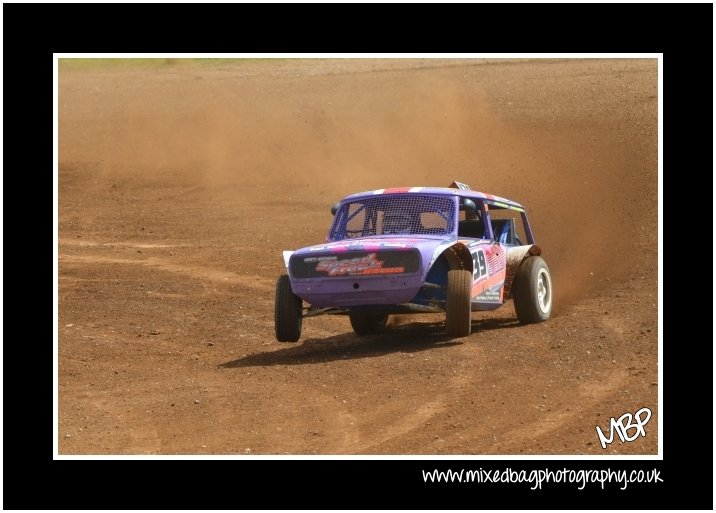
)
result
[(368, 323), (532, 291), (288, 310), (457, 310)]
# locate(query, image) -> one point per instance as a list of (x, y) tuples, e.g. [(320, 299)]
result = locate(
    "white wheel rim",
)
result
[(544, 291)]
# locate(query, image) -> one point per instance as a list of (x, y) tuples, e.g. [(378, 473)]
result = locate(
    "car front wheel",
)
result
[(457, 310), (287, 311)]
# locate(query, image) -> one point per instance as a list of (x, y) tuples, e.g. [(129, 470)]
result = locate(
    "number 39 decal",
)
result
[(478, 260)]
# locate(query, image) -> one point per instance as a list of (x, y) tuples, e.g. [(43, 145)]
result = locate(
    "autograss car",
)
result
[(415, 250)]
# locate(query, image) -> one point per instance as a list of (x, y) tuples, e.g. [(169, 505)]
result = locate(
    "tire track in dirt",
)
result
[(195, 272), (551, 424), (137, 245), (414, 419)]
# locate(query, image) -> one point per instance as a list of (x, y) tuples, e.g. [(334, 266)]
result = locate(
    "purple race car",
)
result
[(414, 250)]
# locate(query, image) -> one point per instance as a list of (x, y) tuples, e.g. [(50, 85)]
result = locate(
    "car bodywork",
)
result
[(370, 267)]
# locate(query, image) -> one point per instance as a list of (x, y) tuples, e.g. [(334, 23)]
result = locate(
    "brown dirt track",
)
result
[(180, 185)]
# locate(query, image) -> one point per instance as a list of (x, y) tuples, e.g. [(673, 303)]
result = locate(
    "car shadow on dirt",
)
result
[(404, 338)]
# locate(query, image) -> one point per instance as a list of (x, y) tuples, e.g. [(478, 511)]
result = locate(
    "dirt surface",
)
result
[(179, 186)]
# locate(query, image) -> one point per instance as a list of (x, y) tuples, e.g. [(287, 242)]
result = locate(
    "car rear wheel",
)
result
[(532, 291), (287, 311), (457, 310), (366, 323)]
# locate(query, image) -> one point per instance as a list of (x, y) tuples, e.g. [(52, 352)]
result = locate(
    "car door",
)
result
[(488, 279)]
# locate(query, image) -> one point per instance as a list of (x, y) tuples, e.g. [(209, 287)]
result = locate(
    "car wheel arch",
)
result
[(458, 256), (515, 256), (454, 257)]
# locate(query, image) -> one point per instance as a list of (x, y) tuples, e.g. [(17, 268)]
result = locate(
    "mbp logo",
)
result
[(623, 425)]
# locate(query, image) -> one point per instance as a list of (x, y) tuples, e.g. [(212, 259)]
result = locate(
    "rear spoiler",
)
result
[(459, 185)]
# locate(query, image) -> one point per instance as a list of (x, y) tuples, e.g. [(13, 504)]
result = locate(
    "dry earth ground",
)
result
[(180, 185)]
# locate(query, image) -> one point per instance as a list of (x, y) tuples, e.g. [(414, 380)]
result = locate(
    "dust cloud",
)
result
[(585, 169)]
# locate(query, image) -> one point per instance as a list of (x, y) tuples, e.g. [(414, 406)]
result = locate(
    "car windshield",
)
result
[(394, 214)]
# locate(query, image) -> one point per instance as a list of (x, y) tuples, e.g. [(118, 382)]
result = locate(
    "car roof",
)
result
[(439, 190)]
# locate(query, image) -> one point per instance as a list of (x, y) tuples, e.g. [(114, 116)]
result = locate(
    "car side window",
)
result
[(472, 228)]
